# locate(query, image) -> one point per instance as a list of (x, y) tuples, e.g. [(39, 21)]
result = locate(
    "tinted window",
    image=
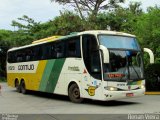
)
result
[(73, 47), (91, 56), (59, 49), (11, 57), (51, 50)]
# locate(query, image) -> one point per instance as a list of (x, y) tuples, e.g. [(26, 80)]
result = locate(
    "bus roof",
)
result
[(52, 38), (96, 32), (55, 38)]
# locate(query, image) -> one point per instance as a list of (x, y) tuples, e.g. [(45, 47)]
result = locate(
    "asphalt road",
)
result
[(12, 102)]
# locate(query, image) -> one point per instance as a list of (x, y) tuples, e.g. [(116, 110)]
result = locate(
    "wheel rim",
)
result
[(76, 93)]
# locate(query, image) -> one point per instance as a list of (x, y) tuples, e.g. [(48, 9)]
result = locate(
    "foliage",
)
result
[(27, 29), (3, 79), (148, 30), (66, 23), (152, 75), (5, 43)]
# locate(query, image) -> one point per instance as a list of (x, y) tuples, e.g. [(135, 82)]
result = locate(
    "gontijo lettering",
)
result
[(26, 67)]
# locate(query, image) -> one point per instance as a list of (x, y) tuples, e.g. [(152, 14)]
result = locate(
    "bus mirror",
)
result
[(151, 55), (105, 53)]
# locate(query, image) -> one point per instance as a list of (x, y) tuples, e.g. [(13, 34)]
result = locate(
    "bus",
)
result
[(96, 64)]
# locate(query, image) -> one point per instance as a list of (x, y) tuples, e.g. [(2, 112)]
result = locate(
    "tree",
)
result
[(147, 29), (27, 28), (5, 43), (124, 19), (135, 8), (91, 7), (66, 23), (28, 23)]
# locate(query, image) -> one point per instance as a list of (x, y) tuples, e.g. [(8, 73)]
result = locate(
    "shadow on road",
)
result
[(110, 103), (86, 101), (46, 95)]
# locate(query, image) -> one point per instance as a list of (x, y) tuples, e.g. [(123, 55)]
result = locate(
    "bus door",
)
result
[(92, 76)]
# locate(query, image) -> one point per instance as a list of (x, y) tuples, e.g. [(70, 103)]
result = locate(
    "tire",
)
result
[(23, 87), (17, 85), (74, 93)]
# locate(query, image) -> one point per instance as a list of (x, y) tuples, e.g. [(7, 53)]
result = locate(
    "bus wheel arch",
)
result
[(74, 93), (23, 86)]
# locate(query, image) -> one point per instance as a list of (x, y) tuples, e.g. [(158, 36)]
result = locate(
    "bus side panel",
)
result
[(51, 75), (35, 79), (75, 71), (71, 72), (11, 79), (21, 71)]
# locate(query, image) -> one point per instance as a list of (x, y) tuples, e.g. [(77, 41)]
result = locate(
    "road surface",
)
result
[(12, 102)]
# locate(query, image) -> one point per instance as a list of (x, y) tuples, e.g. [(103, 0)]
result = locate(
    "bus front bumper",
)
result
[(115, 95)]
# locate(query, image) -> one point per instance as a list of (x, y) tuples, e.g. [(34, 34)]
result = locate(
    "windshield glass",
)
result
[(125, 58), (123, 42), (124, 64)]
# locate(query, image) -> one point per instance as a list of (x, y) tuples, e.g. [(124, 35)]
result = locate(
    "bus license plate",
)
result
[(129, 94)]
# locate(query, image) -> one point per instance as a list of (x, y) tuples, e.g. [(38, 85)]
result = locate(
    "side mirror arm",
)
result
[(105, 53), (150, 54)]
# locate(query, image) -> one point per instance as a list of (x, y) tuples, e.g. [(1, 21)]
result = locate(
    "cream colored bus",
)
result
[(99, 65)]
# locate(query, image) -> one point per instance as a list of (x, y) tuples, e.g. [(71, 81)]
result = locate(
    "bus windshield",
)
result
[(125, 58), (123, 42)]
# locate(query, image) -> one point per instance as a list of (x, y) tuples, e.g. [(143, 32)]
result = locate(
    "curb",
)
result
[(152, 93)]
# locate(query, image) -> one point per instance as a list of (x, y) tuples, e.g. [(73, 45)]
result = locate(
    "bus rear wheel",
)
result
[(17, 86), (74, 93), (23, 87)]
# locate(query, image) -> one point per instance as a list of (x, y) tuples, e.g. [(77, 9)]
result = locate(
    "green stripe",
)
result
[(54, 75), (46, 73)]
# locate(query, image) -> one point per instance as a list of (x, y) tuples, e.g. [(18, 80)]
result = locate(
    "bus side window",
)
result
[(50, 51), (59, 49), (20, 56), (29, 54), (73, 47), (53, 51), (46, 51), (38, 52), (11, 57)]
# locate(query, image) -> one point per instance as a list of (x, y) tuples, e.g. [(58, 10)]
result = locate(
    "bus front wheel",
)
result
[(74, 93)]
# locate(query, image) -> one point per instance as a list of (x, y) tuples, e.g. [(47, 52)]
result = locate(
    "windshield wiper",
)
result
[(135, 71)]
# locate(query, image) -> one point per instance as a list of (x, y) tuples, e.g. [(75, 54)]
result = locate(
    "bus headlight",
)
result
[(142, 86), (110, 88)]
